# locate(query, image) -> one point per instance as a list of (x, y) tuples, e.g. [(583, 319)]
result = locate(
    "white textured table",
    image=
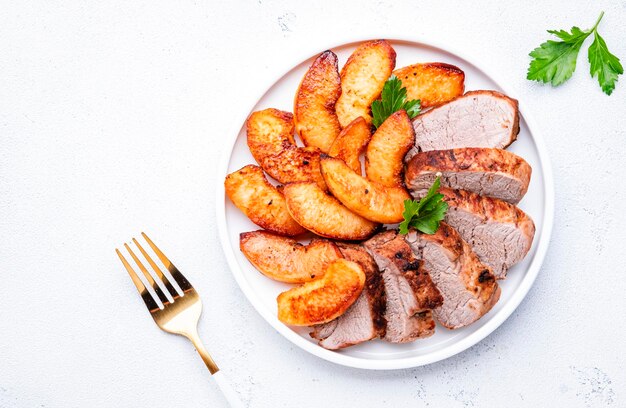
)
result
[(113, 116)]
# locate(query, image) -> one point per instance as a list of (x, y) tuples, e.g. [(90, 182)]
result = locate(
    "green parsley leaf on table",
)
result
[(604, 65), (554, 62), (425, 214), (393, 99)]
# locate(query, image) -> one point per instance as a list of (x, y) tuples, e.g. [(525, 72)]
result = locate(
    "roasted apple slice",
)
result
[(295, 164), (323, 299), (260, 201), (285, 259), (269, 132), (323, 214), (433, 83), (314, 106), (351, 142), (369, 199), (363, 78), (384, 157)]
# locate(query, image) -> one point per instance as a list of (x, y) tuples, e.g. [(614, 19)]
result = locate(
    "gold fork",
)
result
[(179, 316)]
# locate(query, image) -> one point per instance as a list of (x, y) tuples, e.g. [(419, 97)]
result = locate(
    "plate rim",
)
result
[(465, 343)]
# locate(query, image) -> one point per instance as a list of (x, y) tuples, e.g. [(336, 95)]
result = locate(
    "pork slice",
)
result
[(404, 324), (468, 287), (410, 293), (491, 172), (476, 119), (364, 320), (500, 233)]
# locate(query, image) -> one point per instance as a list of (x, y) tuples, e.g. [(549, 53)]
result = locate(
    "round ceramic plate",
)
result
[(262, 292)]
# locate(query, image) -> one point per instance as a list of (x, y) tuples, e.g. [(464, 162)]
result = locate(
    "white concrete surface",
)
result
[(113, 116)]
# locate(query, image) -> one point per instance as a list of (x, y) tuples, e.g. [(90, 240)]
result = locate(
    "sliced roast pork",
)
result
[(410, 292), (364, 320), (500, 233), (476, 119), (468, 287), (491, 172)]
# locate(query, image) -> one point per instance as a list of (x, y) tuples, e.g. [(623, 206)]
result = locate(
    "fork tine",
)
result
[(145, 295), (151, 281), (157, 270), (178, 277)]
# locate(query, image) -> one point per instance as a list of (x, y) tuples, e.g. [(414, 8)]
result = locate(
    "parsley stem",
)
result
[(597, 22)]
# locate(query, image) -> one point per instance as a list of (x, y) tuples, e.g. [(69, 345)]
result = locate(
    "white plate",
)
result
[(262, 292)]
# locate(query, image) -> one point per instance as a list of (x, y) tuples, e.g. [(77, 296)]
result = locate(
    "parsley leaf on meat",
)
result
[(425, 214)]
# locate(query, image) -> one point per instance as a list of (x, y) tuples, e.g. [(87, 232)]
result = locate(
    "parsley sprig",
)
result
[(554, 62), (426, 214), (393, 99)]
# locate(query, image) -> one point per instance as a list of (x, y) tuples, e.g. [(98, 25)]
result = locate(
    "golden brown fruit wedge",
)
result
[(295, 164), (351, 142), (433, 83), (322, 299), (260, 201), (314, 105), (369, 199), (285, 259), (362, 80), (269, 131), (384, 157), (323, 214)]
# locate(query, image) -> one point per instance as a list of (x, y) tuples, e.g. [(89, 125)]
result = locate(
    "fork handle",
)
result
[(227, 390), (220, 379)]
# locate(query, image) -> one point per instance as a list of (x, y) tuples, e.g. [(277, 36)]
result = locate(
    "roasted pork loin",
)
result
[(476, 119), (490, 172), (410, 292), (499, 233), (468, 287)]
